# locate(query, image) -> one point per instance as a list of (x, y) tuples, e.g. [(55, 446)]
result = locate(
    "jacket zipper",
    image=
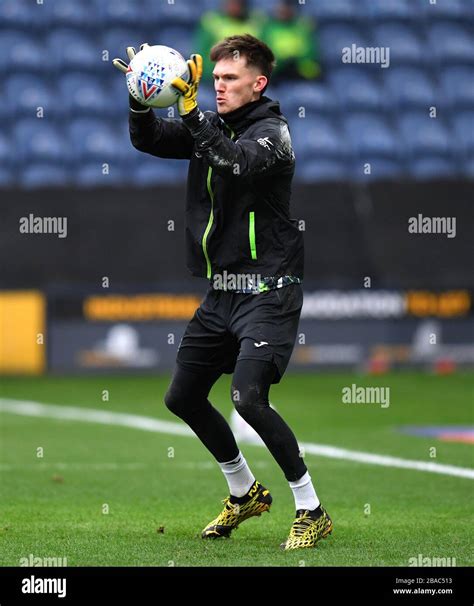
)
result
[(253, 244), (211, 218)]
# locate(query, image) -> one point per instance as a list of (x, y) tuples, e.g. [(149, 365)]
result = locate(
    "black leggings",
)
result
[(187, 398)]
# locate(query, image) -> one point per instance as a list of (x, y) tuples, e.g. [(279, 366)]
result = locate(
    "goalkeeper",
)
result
[(237, 224)]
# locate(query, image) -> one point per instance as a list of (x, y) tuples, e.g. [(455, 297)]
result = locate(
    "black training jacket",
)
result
[(238, 187)]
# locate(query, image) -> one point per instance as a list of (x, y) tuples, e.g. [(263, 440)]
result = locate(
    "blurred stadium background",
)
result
[(374, 148)]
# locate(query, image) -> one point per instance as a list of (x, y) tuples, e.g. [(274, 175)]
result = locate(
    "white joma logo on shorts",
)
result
[(260, 344)]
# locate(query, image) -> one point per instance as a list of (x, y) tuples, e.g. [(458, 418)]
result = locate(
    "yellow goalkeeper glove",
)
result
[(187, 100)]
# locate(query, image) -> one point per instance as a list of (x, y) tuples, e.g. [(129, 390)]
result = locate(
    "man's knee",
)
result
[(248, 399), (174, 399)]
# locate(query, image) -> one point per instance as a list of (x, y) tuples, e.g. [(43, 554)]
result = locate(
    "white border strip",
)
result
[(104, 417)]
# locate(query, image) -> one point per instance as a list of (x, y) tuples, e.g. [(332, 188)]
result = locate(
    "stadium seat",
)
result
[(91, 174), (451, 44), (424, 136), (27, 94), (321, 169), (334, 38), (176, 37), (371, 168), (467, 167), (23, 14), (455, 10), (333, 11), (463, 130), (155, 172), (22, 52), (370, 135), (94, 139), (69, 49), (38, 140), (355, 89), (87, 94), (70, 13), (432, 168), (116, 40), (391, 10), (317, 137), (313, 97), (457, 84), (124, 13), (7, 177), (410, 88), (6, 156), (405, 45), (43, 175), (181, 12), (207, 98)]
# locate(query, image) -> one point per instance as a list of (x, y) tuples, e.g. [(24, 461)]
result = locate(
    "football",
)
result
[(151, 72)]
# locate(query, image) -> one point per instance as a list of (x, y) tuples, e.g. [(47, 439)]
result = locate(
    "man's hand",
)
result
[(123, 67), (187, 100)]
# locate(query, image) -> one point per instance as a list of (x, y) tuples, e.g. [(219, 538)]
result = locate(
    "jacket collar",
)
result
[(241, 118)]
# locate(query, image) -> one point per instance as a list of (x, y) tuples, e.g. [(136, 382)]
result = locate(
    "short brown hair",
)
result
[(256, 52)]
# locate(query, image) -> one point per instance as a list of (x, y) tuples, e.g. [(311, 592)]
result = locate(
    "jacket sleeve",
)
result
[(162, 137), (263, 152)]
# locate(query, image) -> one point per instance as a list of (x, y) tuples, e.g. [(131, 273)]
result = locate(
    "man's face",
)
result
[(236, 84)]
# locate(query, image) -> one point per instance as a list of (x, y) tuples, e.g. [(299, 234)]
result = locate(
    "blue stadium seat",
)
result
[(451, 44), (156, 172), (321, 169), (463, 130), (409, 87), (207, 98), (182, 12), (26, 94), (424, 136), (355, 89), (86, 94), (22, 52), (333, 11), (391, 10), (93, 139), (6, 150), (178, 38), (313, 97), (117, 94), (334, 38), (23, 14), (116, 40), (40, 140), (455, 10), (405, 45), (71, 13), (370, 135), (91, 174), (124, 13), (43, 175), (380, 168), (69, 49), (467, 167), (313, 137), (7, 177), (457, 83), (432, 168)]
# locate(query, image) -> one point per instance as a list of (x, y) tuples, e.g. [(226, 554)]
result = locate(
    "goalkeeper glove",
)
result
[(187, 100), (135, 106)]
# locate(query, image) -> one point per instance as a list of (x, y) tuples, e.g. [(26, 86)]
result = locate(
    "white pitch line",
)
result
[(105, 417)]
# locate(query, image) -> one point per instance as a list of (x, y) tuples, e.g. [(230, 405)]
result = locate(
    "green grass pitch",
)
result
[(157, 504)]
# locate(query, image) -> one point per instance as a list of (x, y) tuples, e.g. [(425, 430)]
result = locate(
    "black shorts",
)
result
[(229, 326)]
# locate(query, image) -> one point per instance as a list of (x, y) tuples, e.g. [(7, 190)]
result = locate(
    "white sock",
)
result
[(238, 475), (304, 493)]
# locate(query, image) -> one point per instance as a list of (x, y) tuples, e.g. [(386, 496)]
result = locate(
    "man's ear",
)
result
[(260, 84)]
